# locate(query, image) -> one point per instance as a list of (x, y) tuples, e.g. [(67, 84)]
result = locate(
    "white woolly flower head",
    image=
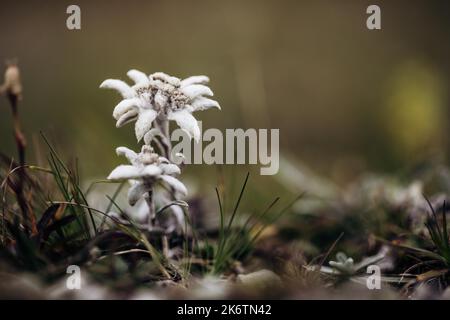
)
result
[(146, 169), (164, 96)]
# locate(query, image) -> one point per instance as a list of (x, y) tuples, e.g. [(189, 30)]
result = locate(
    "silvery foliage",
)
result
[(346, 266), (343, 264)]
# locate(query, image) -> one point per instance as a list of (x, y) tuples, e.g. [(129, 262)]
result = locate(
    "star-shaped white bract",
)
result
[(161, 95), (146, 169)]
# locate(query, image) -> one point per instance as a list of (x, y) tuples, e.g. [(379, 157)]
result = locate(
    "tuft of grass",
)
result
[(433, 261), (439, 233), (237, 241), (68, 182)]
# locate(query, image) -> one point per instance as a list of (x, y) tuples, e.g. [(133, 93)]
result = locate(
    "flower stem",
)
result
[(164, 128), (19, 136), (22, 196), (151, 208)]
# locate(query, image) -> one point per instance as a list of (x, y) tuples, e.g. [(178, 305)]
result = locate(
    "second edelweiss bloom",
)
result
[(146, 169), (160, 95)]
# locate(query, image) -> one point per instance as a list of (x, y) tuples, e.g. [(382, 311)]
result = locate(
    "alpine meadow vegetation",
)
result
[(144, 232)]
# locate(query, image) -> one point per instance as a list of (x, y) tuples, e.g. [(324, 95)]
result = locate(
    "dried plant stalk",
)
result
[(13, 88)]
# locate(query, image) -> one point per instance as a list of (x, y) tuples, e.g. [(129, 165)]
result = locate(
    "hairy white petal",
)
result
[(150, 135), (128, 153), (187, 122), (138, 77), (151, 170), (160, 75), (163, 160), (202, 103), (174, 81), (189, 108), (194, 80), (124, 106), (165, 77), (144, 122), (127, 117), (196, 90), (175, 183), (124, 172), (169, 168), (136, 191), (124, 89)]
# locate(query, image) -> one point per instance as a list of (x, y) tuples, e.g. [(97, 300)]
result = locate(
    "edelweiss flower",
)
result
[(161, 95), (147, 168)]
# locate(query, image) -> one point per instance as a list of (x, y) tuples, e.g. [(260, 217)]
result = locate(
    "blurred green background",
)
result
[(347, 100)]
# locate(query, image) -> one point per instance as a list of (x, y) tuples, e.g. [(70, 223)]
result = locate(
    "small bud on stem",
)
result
[(12, 87)]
